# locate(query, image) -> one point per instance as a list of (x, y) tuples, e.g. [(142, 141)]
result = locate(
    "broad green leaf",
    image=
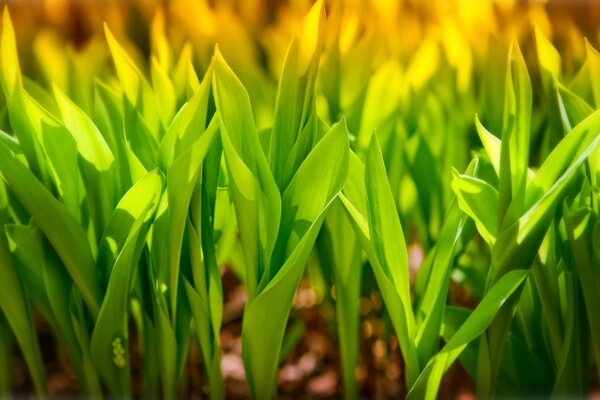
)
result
[(546, 279), (517, 244), (573, 109), (340, 251), (11, 142), (580, 224), (11, 71), (304, 205), (41, 96), (427, 386), (381, 100), (109, 343), (528, 231), (5, 356), (593, 61), (50, 290), (479, 200), (548, 57), (211, 355), (109, 116), (139, 136), (571, 378), (523, 371), (181, 180), (570, 152), (514, 159), (28, 254), (310, 134), (354, 199), (97, 159), (135, 87), (165, 92), (295, 94), (253, 189), (189, 122), (159, 42), (268, 312), (492, 146), (384, 223), (389, 255), (206, 300), (61, 151), (550, 72), (15, 308), (179, 74), (59, 291), (431, 310), (62, 230), (422, 165), (580, 83), (16, 99), (313, 186), (150, 360), (90, 143), (167, 352)]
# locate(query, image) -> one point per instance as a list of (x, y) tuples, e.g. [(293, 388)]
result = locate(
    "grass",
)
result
[(127, 190)]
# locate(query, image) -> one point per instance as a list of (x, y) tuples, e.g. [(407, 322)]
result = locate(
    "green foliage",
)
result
[(127, 189)]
